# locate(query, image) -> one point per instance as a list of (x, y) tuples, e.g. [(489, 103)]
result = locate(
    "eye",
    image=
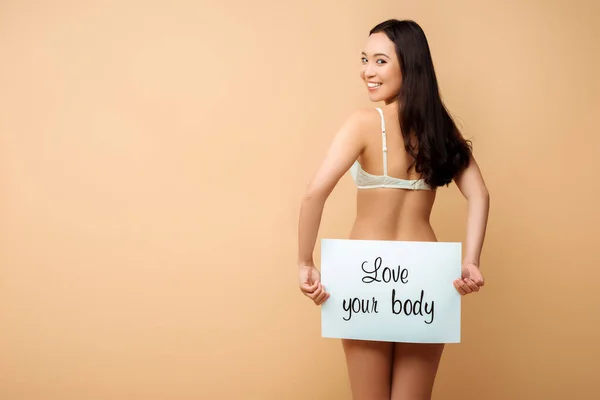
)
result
[(382, 61), (364, 59)]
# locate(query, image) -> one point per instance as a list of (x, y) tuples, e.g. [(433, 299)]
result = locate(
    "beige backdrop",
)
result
[(153, 155)]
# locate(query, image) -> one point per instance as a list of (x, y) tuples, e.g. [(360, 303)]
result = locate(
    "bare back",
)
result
[(391, 213)]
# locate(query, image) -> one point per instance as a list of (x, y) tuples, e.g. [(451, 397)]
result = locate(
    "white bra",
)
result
[(365, 180)]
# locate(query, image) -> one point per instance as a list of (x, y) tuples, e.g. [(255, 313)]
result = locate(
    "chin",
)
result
[(376, 97)]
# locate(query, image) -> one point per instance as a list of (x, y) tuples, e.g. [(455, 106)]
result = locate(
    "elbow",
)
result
[(313, 198), (314, 194), (481, 195), (485, 194)]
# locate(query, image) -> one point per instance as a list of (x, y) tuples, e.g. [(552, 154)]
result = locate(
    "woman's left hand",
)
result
[(471, 281), (310, 284)]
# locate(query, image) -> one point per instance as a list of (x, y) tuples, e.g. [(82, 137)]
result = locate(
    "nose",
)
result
[(369, 71)]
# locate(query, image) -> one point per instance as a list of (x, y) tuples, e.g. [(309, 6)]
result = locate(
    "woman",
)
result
[(398, 155)]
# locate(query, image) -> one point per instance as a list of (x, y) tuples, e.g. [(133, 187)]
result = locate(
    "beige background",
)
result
[(153, 155)]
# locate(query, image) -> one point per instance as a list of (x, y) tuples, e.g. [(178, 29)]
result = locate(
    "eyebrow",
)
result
[(377, 54)]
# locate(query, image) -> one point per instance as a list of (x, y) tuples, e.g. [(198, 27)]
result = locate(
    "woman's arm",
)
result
[(471, 184), (345, 148)]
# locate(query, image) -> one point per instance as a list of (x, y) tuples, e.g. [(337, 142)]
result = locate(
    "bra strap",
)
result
[(383, 142)]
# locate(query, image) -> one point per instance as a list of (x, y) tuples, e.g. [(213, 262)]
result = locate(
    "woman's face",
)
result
[(381, 69)]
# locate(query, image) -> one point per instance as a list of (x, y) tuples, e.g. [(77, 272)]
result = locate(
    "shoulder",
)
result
[(364, 115), (361, 120)]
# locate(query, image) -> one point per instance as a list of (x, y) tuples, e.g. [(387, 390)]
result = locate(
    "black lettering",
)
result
[(392, 275), (418, 304), (374, 309), (386, 275), (348, 309), (403, 276), (408, 310), (355, 305), (429, 312), (396, 302), (371, 279), (416, 307)]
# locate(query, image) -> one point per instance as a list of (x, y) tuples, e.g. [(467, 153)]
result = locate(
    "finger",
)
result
[(325, 296), (319, 300), (316, 293), (464, 286), (308, 288), (458, 287), (313, 287), (323, 291), (471, 284)]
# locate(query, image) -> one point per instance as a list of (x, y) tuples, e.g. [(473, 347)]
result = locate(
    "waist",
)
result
[(402, 229)]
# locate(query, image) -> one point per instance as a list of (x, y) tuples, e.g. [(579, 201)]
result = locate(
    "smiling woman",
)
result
[(379, 68), (398, 155)]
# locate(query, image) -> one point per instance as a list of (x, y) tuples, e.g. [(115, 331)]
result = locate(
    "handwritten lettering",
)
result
[(377, 272), (415, 308), (387, 274), (356, 305)]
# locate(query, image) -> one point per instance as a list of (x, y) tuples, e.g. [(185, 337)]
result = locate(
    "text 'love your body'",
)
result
[(398, 306)]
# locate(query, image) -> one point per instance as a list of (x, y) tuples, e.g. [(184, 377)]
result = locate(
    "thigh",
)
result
[(415, 366), (369, 366)]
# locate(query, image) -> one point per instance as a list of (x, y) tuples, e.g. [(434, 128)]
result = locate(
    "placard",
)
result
[(397, 291)]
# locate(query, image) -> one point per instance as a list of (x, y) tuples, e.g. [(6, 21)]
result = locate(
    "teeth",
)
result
[(373, 84)]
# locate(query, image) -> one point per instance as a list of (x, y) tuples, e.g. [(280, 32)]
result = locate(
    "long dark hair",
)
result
[(440, 151)]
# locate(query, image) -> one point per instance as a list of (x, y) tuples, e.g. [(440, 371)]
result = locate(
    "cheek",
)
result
[(392, 78)]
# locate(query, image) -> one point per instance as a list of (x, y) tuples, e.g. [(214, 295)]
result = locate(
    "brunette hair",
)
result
[(440, 151)]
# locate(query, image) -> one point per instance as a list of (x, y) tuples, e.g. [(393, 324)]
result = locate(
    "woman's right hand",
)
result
[(471, 281), (310, 284)]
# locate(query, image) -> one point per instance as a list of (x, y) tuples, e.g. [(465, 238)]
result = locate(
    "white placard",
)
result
[(391, 290)]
